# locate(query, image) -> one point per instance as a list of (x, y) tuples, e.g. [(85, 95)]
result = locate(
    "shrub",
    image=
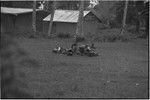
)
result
[(31, 35), (25, 34), (63, 35), (80, 39), (112, 35)]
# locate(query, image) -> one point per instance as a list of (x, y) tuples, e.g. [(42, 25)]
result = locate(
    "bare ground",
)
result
[(121, 70)]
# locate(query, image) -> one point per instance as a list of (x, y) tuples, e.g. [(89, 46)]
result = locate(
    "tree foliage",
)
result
[(19, 4), (133, 14), (134, 7)]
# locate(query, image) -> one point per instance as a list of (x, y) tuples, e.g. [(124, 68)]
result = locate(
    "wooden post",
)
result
[(124, 17)]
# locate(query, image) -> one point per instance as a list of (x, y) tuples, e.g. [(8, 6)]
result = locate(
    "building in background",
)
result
[(19, 20), (65, 21)]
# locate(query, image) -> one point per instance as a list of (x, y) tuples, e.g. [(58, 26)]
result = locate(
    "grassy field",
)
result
[(121, 70)]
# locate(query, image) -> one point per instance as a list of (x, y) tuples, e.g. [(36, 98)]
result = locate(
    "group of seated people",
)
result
[(78, 50)]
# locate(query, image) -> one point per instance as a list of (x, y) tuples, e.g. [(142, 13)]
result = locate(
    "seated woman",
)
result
[(69, 52), (58, 50), (83, 49), (92, 46), (74, 47)]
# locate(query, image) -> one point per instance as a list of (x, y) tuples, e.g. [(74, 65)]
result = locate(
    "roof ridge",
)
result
[(70, 10), (16, 11)]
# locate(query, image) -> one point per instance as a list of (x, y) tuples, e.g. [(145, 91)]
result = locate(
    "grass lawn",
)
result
[(121, 70)]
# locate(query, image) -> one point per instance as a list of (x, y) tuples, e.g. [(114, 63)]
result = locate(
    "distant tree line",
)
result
[(134, 16), (17, 4), (67, 5)]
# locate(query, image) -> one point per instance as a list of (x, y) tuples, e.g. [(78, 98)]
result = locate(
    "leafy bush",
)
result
[(63, 35), (112, 35), (30, 34), (80, 39), (24, 34)]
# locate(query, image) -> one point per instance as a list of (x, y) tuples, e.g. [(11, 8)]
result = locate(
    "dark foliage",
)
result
[(133, 13), (113, 35), (19, 4), (145, 14), (71, 5), (80, 39), (63, 35)]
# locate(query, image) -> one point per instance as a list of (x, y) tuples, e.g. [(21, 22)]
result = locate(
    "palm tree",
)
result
[(79, 29), (145, 14), (124, 17), (51, 18), (34, 17)]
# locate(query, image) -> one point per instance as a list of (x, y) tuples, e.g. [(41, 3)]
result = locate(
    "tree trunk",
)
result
[(146, 18), (147, 26), (124, 18), (79, 28), (51, 18), (137, 24), (137, 18), (34, 17)]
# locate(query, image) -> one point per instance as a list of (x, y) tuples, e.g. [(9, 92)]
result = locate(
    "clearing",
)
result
[(121, 70)]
